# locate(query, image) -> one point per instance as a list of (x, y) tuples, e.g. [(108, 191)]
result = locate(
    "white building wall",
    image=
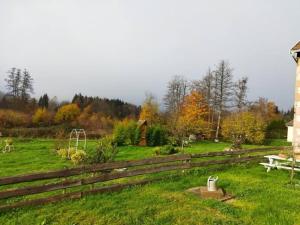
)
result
[(296, 127), (290, 134)]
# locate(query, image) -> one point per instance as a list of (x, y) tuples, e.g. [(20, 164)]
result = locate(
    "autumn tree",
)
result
[(193, 113), (206, 88), (241, 127), (192, 117), (150, 110), (67, 113), (41, 117)]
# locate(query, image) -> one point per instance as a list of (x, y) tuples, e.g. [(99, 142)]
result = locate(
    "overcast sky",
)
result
[(123, 48)]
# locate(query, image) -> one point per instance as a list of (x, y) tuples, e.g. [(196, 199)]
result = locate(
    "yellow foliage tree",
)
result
[(41, 116), (243, 127), (67, 113), (150, 110), (193, 115)]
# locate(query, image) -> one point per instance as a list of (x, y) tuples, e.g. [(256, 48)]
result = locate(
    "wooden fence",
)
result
[(92, 174)]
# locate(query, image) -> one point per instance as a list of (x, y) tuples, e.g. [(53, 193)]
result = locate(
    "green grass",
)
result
[(261, 198)]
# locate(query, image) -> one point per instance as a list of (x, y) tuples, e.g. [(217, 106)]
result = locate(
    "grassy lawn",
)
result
[(261, 198)]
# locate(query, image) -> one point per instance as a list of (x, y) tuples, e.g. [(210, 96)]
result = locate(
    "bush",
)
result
[(276, 129), (166, 150), (63, 153), (34, 132), (119, 134), (131, 131), (66, 153), (137, 136), (10, 118), (78, 157), (106, 151), (125, 132), (244, 127), (41, 117), (156, 136), (67, 113), (60, 141)]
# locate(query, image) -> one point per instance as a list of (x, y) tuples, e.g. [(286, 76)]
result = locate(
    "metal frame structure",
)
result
[(8, 147), (77, 135)]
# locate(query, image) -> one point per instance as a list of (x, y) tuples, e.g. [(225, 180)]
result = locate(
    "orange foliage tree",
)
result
[(193, 115)]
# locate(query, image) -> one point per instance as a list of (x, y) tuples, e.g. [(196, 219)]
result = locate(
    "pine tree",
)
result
[(44, 101), (26, 85)]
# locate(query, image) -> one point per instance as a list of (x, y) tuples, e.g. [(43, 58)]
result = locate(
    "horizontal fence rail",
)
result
[(106, 172), (90, 169), (240, 152)]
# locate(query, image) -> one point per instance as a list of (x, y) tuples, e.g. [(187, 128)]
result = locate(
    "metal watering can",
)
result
[(212, 183)]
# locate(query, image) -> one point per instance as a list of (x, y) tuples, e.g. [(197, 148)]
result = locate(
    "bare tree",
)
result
[(13, 82), (240, 93), (26, 85), (206, 88), (177, 90), (223, 91)]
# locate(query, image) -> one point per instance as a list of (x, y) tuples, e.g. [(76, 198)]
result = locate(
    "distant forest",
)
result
[(19, 109)]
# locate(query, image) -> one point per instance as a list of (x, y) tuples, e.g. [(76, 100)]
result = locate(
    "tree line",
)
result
[(216, 106), (206, 108), (19, 109)]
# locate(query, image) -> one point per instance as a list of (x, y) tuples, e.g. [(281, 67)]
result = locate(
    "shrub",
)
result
[(78, 157), (276, 129), (125, 132), (66, 153), (63, 153), (41, 117), (130, 128), (106, 151), (60, 141), (33, 132), (244, 127), (67, 113), (156, 136), (10, 118), (119, 134), (8, 141), (166, 150), (137, 136)]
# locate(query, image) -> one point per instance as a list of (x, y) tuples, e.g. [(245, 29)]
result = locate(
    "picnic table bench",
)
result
[(278, 162)]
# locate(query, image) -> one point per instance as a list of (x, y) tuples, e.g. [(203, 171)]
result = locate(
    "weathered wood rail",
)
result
[(105, 172)]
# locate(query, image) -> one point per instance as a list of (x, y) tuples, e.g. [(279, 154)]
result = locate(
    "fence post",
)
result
[(93, 185)]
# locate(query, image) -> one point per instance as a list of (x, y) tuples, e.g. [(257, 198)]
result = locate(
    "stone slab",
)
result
[(203, 193)]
